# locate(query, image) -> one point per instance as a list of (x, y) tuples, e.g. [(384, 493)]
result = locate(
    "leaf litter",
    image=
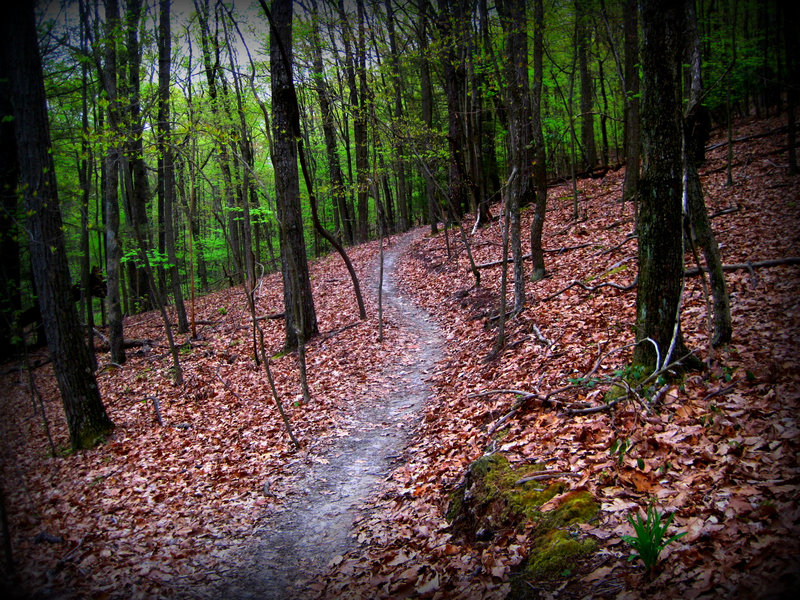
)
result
[(167, 511)]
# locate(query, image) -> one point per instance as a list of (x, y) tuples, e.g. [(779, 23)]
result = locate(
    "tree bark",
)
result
[(166, 180), (399, 150), (136, 207), (521, 179), (660, 232), (583, 42), (427, 115), (10, 300), (111, 192), (632, 136), (285, 121), (86, 416), (450, 20), (540, 167), (329, 131)]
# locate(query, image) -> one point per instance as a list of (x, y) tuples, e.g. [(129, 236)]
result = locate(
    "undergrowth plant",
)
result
[(649, 539)]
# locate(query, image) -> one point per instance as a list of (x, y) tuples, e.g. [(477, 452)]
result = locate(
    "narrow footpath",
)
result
[(288, 557)]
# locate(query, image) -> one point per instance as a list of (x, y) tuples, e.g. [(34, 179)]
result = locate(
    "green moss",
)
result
[(576, 507), (553, 553), (492, 500)]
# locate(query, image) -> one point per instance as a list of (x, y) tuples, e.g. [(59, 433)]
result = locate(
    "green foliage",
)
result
[(649, 539)]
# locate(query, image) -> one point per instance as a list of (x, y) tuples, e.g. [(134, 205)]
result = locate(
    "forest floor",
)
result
[(195, 507)]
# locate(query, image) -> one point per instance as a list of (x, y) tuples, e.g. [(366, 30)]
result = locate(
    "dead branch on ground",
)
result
[(592, 288)]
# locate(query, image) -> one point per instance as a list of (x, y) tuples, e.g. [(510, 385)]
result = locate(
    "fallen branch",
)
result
[(547, 475), (272, 317), (330, 334), (106, 344), (592, 288), (495, 263), (595, 409), (725, 211), (749, 266), (747, 138), (618, 246), (157, 408)]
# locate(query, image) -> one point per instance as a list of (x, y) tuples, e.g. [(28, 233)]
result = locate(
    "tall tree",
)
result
[(138, 194), (539, 167), (631, 134), (660, 257), (451, 21), (297, 296), (329, 130), (358, 107), (10, 300), (426, 94), (86, 416), (111, 167), (166, 163), (399, 164), (520, 136), (583, 40)]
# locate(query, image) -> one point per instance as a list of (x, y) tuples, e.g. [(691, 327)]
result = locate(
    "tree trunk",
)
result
[(696, 131), (10, 300), (399, 150), (427, 115), (111, 195), (539, 167), (660, 233), (86, 416), (285, 121), (630, 186), (329, 131), (521, 180), (790, 21), (583, 39), (134, 153), (166, 172), (451, 19)]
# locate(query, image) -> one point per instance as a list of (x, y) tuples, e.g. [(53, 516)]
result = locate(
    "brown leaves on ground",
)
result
[(155, 510), (721, 450)]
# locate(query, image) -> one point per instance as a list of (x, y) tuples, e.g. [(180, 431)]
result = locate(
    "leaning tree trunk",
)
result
[(696, 128), (86, 416)]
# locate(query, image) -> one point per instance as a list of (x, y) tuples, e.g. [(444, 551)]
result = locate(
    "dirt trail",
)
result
[(313, 524)]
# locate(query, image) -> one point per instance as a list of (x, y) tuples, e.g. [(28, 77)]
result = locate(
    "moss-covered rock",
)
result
[(492, 499), (554, 553)]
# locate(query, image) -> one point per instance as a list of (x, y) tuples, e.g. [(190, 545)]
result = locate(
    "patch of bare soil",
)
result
[(310, 531)]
